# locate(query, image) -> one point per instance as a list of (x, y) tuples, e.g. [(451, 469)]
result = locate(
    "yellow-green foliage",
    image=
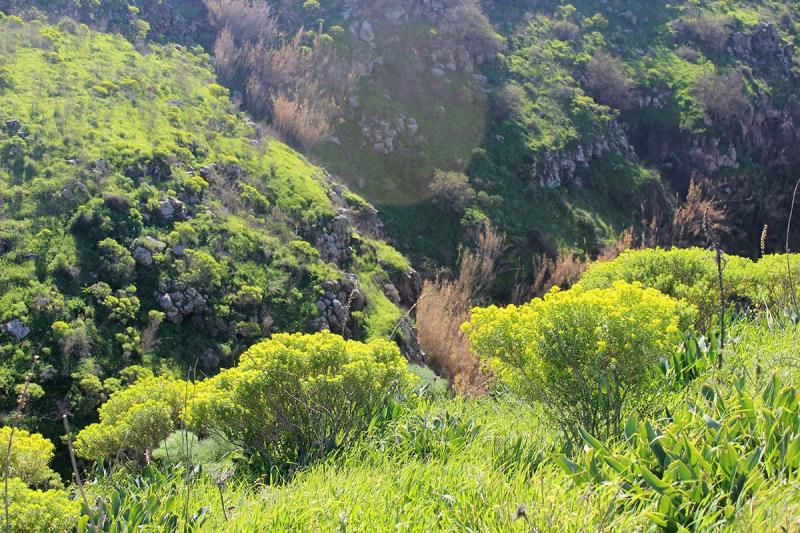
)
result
[(294, 397), (30, 456), (687, 274), (134, 420), (690, 274), (768, 282), (585, 354), (30, 510)]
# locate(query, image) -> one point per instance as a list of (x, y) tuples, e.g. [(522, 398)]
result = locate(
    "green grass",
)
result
[(450, 464)]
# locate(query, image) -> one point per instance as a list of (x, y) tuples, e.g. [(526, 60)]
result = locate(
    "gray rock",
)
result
[(166, 208), (16, 328), (155, 244), (366, 33), (394, 15), (143, 256), (438, 72)]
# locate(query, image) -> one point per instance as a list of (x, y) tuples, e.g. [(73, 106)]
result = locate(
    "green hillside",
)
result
[(145, 221), (212, 218)]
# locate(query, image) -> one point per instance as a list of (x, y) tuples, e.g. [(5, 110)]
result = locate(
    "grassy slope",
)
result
[(468, 465), (92, 106)]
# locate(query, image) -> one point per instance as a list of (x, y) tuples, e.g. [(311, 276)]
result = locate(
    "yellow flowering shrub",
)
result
[(30, 457), (294, 397), (585, 355), (690, 274), (134, 420), (31, 510)]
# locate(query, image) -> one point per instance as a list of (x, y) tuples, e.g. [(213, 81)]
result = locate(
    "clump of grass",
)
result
[(445, 305)]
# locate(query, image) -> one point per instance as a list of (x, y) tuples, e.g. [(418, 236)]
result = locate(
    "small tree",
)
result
[(117, 265), (710, 30), (723, 97), (587, 356), (452, 191), (608, 82)]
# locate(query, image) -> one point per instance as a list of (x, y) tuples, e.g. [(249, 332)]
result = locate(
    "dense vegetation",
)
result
[(143, 221), (606, 411), (202, 329)]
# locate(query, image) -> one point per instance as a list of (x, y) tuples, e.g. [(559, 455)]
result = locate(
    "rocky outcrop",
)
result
[(335, 307), (384, 136), (555, 168), (708, 157), (409, 287), (179, 301), (172, 208), (406, 337), (762, 47), (333, 241)]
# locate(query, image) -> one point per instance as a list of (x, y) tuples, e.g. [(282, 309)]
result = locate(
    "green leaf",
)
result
[(655, 483), (571, 468), (591, 441), (631, 427)]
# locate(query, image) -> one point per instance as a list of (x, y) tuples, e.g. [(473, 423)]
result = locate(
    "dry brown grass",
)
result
[(565, 269), (303, 122), (298, 85), (445, 305), (245, 19), (687, 222)]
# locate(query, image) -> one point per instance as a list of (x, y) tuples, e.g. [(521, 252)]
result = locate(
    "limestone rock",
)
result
[(17, 328)]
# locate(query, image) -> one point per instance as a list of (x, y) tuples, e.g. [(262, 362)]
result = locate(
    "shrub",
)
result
[(565, 30), (117, 265), (452, 191), (509, 102), (295, 397), (586, 355), (686, 274), (35, 510), (30, 456), (135, 420), (712, 31), (468, 26), (608, 82), (722, 96), (201, 271)]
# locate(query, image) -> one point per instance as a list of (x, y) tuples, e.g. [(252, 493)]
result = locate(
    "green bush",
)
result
[(35, 510), (295, 397), (134, 421), (117, 266), (690, 274), (29, 459), (586, 355)]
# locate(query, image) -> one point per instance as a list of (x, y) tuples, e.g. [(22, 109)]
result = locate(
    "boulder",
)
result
[(142, 256), (17, 328)]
